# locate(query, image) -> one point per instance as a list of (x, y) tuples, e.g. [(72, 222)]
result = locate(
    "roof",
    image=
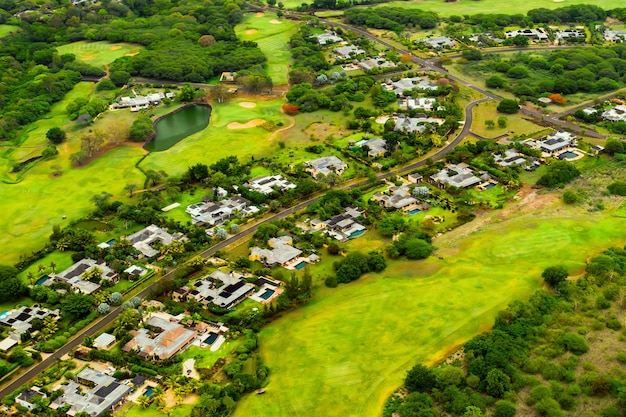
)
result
[(8, 343), (267, 184), (172, 338), (326, 164), (457, 176), (280, 254), (105, 339)]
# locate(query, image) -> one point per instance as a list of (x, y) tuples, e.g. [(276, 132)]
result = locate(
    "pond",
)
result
[(174, 127)]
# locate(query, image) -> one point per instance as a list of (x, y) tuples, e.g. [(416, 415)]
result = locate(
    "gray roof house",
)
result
[(539, 34), (327, 37), (20, 320), (73, 275), (267, 184), (222, 289), (510, 157), (455, 175), (397, 198), (325, 165), (215, 213), (377, 146), (415, 124), (438, 42), (92, 393), (614, 114), (343, 227), (143, 239), (28, 397), (348, 51), (104, 341), (407, 84), (556, 142), (282, 253)]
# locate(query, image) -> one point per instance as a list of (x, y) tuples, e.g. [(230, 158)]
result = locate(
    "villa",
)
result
[(160, 338), (92, 392), (20, 321), (408, 84), (105, 341), (325, 165), (415, 124), (282, 253), (421, 103), (399, 198), (615, 114), (570, 34), (143, 239), (225, 290), (268, 184), (348, 51), (268, 290), (28, 398), (342, 227), (556, 142), (141, 102), (456, 176), (371, 63), (510, 157), (215, 213), (438, 42), (481, 37), (75, 273), (539, 34), (327, 38), (611, 35), (377, 147)]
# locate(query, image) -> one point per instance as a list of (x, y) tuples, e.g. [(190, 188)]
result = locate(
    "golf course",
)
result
[(347, 350), (99, 53)]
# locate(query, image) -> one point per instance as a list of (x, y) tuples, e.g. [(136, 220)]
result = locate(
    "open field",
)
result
[(515, 122), (217, 141), (7, 30), (272, 35), (357, 341), (99, 53)]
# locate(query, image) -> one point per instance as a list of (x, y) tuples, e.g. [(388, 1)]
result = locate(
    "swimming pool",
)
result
[(4, 314), (111, 242), (212, 338), (149, 392), (43, 279), (267, 294), (568, 155), (356, 234), (489, 186), (301, 265), (415, 211)]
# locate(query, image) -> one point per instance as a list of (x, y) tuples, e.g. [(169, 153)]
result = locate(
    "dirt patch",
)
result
[(259, 14), (247, 125), (251, 31), (131, 54), (276, 22), (321, 130), (247, 104), (382, 120), (611, 21), (115, 48)]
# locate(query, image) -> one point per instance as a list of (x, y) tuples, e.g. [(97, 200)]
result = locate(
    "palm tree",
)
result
[(158, 393), (31, 277), (144, 401), (53, 266), (40, 268)]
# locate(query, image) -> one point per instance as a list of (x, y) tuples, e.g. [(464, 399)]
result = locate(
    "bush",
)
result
[(504, 409), (618, 188), (574, 343), (508, 106), (571, 197), (558, 174), (331, 282)]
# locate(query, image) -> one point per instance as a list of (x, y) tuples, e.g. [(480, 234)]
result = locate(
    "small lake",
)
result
[(174, 127)]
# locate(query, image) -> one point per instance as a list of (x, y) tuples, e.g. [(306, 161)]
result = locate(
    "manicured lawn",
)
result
[(218, 141), (63, 260), (515, 122), (99, 53), (182, 410), (7, 30), (272, 35), (348, 349), (205, 358)]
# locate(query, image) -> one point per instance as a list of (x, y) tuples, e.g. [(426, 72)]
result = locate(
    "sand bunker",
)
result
[(247, 104), (382, 120), (259, 14), (87, 57), (251, 123), (276, 22), (251, 31), (557, 1), (131, 54), (115, 47)]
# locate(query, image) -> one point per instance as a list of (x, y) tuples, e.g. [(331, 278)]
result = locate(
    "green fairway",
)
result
[(7, 30), (346, 351), (99, 53), (272, 35), (219, 141)]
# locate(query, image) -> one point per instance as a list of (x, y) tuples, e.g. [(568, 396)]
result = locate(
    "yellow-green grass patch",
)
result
[(273, 40), (515, 122), (356, 342), (99, 53), (7, 30)]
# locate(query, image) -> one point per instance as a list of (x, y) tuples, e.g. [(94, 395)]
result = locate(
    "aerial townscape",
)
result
[(297, 208)]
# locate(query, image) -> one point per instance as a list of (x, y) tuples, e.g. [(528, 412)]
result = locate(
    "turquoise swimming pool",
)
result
[(267, 294)]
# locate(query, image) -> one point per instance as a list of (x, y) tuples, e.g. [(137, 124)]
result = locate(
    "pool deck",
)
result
[(189, 369), (257, 295)]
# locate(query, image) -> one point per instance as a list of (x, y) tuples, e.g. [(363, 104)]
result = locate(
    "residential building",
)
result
[(74, 275), (408, 84), (348, 51), (225, 290), (538, 34), (20, 320), (135, 271), (484, 38), (215, 213), (281, 252), (160, 338), (556, 142), (28, 398), (510, 157), (141, 102), (327, 37), (399, 198), (611, 35), (105, 341), (266, 185), (438, 42), (377, 147), (615, 114), (371, 63), (92, 392), (545, 100), (570, 34), (421, 103), (590, 110), (145, 238), (458, 175), (325, 165), (342, 227), (415, 178), (415, 124)]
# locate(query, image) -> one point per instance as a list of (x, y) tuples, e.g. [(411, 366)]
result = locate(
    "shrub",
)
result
[(508, 106), (618, 188), (331, 282), (504, 409), (290, 109), (574, 343)]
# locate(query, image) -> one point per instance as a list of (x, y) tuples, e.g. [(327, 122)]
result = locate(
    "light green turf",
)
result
[(347, 350), (182, 410), (273, 40), (205, 358), (515, 122), (63, 260), (99, 53), (7, 30), (218, 141)]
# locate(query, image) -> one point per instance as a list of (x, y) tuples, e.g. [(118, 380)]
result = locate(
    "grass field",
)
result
[(99, 53), (346, 351), (218, 141), (515, 122), (7, 30), (272, 38)]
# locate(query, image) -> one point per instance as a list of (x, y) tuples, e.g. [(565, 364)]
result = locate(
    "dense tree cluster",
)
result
[(391, 18), (356, 264), (558, 174)]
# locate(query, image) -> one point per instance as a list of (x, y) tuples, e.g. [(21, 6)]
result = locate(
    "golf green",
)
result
[(347, 350), (99, 53)]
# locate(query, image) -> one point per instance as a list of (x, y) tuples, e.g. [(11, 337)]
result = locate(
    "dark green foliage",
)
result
[(574, 343), (11, 287), (119, 78), (558, 174), (571, 197), (495, 81), (504, 409), (508, 106), (331, 281), (56, 135), (617, 188), (77, 305), (391, 18), (419, 379), (554, 275), (141, 129), (497, 383), (105, 85), (197, 173)]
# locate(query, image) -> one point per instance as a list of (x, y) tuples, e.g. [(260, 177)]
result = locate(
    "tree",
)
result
[(144, 401), (497, 383), (557, 98), (502, 121), (473, 411), (56, 135), (49, 328), (554, 275), (520, 40), (571, 197), (141, 129), (206, 40), (104, 308), (130, 188), (419, 378), (91, 142), (418, 249), (88, 341), (508, 106), (187, 93), (495, 81), (489, 124), (504, 409), (617, 188), (77, 305), (219, 93), (120, 78)]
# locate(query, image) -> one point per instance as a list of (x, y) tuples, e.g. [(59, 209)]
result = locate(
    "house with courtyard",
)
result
[(348, 51), (416, 124), (20, 321), (325, 165), (438, 42), (615, 114), (145, 239), (161, 337), (75, 275), (408, 84), (29, 397), (556, 142), (225, 290), (459, 175), (91, 392), (214, 213), (376, 147), (327, 38), (538, 34), (399, 198), (342, 227), (281, 253), (268, 184), (509, 158), (421, 103)]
